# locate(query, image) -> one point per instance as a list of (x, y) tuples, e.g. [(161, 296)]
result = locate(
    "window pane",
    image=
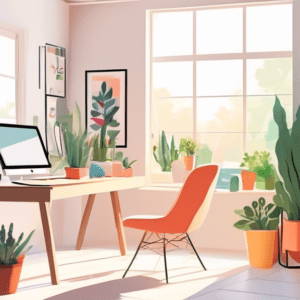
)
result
[(220, 31), (269, 76), (7, 100), (269, 28), (225, 147), (7, 56), (218, 78), (173, 33), (173, 78), (220, 114), (173, 115), (260, 114)]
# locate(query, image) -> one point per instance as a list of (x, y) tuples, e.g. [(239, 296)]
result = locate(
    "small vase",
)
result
[(270, 183), (189, 162), (117, 169), (128, 172), (10, 276), (76, 173), (248, 179)]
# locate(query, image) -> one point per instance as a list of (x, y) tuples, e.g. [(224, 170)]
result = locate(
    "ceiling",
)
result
[(74, 2)]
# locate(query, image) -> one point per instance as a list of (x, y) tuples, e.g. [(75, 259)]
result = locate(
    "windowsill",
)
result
[(175, 187)]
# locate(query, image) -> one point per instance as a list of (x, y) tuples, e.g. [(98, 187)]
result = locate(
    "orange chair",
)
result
[(187, 213)]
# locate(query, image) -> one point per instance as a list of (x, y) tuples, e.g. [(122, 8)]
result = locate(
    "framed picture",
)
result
[(106, 103), (55, 71)]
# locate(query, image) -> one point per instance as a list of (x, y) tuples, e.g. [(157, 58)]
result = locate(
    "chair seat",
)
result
[(149, 223)]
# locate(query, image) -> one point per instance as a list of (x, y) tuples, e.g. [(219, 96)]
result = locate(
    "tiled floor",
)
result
[(97, 274)]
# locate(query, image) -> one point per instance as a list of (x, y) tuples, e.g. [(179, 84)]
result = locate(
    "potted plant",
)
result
[(117, 167), (104, 110), (11, 260), (188, 147), (260, 223), (288, 192), (128, 171), (249, 176), (264, 169)]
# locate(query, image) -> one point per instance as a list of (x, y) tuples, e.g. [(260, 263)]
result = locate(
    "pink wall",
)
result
[(113, 36)]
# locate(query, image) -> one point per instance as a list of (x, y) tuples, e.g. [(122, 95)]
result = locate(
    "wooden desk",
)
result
[(55, 189)]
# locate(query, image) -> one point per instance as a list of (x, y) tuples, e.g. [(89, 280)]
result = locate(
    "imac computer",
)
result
[(22, 151)]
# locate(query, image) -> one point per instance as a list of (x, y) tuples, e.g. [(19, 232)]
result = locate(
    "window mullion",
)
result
[(194, 77), (244, 82)]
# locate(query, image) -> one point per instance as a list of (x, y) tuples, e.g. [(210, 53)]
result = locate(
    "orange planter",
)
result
[(291, 238), (262, 247), (76, 173), (128, 172), (10, 276), (117, 169), (248, 179), (189, 162)]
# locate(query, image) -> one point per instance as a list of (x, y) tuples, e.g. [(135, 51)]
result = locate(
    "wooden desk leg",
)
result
[(49, 240), (119, 222), (85, 220)]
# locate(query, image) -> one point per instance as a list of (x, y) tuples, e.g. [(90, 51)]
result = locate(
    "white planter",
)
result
[(106, 166), (178, 171)]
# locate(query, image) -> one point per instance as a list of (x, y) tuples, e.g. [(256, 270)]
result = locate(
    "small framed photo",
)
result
[(55, 71), (106, 103)]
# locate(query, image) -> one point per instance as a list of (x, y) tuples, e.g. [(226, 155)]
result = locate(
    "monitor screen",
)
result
[(21, 147)]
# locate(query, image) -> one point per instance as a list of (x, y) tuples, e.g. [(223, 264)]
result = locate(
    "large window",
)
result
[(8, 76), (213, 76)]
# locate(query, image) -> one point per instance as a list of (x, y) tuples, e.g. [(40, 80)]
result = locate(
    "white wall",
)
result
[(113, 36), (42, 21)]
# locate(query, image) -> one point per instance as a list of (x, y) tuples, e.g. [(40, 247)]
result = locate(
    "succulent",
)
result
[(187, 146), (288, 154), (10, 250), (165, 154), (259, 216), (126, 163)]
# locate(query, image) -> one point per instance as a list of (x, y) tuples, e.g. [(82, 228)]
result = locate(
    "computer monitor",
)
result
[(22, 150)]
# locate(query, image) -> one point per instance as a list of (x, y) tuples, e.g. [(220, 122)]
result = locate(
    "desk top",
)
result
[(46, 190)]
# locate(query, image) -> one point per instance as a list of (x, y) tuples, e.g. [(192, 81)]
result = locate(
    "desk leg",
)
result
[(119, 222), (85, 220), (49, 240)]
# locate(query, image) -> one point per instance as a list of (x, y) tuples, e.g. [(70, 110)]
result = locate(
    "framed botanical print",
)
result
[(55, 71), (106, 103)]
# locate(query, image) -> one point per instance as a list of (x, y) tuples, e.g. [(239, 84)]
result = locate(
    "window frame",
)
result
[(244, 56)]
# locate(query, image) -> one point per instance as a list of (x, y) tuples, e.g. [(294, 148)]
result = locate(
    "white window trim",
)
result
[(195, 57), (18, 35)]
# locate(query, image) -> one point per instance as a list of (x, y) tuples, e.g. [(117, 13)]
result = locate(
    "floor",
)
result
[(97, 274)]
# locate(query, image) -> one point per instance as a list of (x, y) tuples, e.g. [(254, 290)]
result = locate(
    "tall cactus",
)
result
[(288, 155), (165, 155)]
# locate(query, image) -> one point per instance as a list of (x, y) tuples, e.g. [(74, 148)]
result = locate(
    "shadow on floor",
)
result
[(110, 290)]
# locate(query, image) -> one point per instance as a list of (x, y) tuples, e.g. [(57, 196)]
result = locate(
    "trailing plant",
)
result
[(259, 216), (187, 146), (288, 154), (126, 163), (10, 250), (165, 154), (104, 109)]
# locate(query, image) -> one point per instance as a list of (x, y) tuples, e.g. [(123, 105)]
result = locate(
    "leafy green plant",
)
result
[(10, 250), (263, 167), (104, 109), (126, 163), (187, 146), (164, 154), (288, 154), (259, 216), (250, 161)]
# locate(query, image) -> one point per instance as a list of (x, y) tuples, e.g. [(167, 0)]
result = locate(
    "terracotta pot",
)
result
[(10, 276), (76, 173), (291, 238), (189, 162), (128, 172), (262, 248), (117, 169), (248, 179)]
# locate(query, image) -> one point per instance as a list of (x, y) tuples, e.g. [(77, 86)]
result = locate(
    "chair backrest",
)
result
[(192, 204)]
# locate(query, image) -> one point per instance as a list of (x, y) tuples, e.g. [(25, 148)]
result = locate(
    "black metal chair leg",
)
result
[(195, 252), (165, 259), (137, 250)]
